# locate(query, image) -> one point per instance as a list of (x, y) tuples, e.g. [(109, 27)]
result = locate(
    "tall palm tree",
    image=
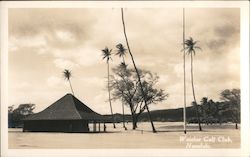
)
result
[(137, 72), (121, 51), (107, 55), (67, 75), (191, 50), (184, 70)]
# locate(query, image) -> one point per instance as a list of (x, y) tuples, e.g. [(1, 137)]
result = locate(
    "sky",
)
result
[(44, 42)]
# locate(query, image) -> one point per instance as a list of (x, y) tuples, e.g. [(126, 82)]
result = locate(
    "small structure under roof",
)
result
[(67, 114)]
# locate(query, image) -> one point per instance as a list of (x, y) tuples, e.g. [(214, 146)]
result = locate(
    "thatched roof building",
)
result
[(67, 114)]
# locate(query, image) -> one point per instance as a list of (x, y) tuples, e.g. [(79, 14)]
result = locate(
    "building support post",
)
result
[(94, 130), (104, 127), (99, 127)]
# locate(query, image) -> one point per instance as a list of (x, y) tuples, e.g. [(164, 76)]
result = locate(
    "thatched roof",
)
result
[(67, 108)]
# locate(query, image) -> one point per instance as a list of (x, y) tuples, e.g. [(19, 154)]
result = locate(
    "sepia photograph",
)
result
[(124, 77)]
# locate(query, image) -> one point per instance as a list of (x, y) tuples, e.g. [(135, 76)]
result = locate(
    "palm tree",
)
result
[(191, 47), (67, 74), (184, 70), (122, 52), (107, 55), (137, 72)]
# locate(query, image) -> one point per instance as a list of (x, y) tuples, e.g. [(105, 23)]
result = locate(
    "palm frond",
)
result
[(121, 50), (106, 53), (197, 47), (191, 46), (67, 74), (184, 49)]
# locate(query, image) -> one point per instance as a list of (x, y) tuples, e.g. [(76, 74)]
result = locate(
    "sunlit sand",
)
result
[(170, 135)]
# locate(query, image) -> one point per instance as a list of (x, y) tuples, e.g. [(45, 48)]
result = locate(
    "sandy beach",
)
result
[(170, 135)]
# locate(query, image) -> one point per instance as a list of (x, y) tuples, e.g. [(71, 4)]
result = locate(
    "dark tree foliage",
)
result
[(227, 110), (209, 110), (10, 108), (125, 87), (232, 98), (17, 115)]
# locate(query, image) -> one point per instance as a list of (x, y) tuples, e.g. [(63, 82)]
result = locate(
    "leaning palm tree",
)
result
[(107, 55), (191, 47), (137, 72), (121, 52), (67, 74)]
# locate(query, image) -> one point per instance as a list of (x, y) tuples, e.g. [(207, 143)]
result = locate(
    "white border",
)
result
[(243, 151)]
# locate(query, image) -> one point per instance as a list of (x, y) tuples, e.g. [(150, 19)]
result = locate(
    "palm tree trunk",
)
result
[(123, 59), (192, 81), (184, 70), (138, 75), (123, 117), (110, 99), (123, 104), (71, 87)]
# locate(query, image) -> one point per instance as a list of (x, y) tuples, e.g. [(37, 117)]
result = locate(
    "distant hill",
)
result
[(170, 115), (157, 115)]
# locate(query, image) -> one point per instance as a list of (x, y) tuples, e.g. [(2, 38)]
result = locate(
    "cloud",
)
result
[(163, 79), (65, 64), (55, 32), (54, 81), (226, 31), (60, 29), (23, 85), (65, 36), (216, 29), (94, 81), (216, 44), (17, 43), (81, 56), (42, 42), (223, 35)]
